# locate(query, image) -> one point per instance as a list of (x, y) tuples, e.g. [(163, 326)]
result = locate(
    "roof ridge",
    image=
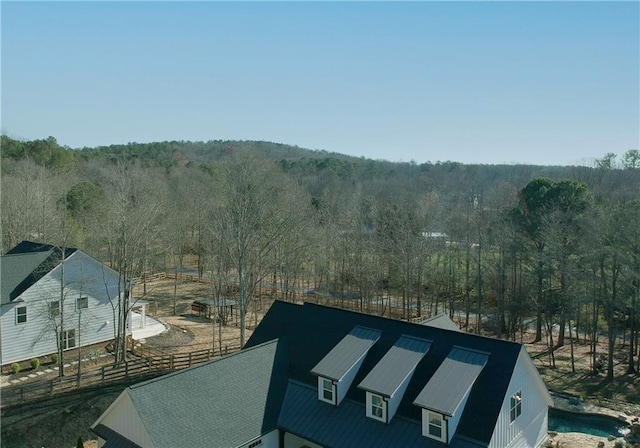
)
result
[(437, 329), (467, 349), (416, 338)]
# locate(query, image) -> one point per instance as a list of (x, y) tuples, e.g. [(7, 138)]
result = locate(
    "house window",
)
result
[(54, 309), (516, 405), (82, 303), (21, 314), (326, 390), (68, 339), (377, 407), (435, 425)]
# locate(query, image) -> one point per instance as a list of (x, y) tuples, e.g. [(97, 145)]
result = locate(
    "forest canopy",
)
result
[(556, 244)]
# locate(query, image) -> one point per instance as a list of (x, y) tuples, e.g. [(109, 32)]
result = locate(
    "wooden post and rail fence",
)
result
[(148, 363)]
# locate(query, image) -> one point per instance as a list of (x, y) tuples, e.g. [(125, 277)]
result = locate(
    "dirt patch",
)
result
[(578, 440), (173, 338), (57, 422), (622, 394), (190, 330)]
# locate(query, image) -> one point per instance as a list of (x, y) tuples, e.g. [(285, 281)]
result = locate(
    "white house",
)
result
[(313, 376), (38, 289)]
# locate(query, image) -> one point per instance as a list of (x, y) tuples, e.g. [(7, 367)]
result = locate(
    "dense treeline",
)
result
[(551, 249)]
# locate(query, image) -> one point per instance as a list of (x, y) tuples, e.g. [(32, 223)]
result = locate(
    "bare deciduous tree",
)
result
[(260, 208)]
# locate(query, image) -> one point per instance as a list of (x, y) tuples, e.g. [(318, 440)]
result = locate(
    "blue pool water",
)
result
[(596, 425)]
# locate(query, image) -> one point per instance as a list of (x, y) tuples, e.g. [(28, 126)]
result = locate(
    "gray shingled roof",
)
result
[(452, 381), (15, 271), (223, 403), (394, 367), (346, 353), (26, 263)]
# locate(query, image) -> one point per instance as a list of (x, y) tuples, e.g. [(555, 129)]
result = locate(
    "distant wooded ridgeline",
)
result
[(313, 166), (559, 246)]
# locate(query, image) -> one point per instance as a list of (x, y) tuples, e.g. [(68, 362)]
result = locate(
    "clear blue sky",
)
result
[(489, 82)]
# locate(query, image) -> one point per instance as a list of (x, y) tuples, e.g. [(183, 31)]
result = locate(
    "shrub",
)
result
[(35, 363), (54, 358), (15, 367)]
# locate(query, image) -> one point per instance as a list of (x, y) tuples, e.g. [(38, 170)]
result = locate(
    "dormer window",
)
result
[(326, 390), (443, 406), (516, 405), (339, 367), (376, 407), (387, 382), (434, 426)]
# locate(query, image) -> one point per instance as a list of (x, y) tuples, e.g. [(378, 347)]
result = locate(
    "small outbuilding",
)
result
[(225, 309)]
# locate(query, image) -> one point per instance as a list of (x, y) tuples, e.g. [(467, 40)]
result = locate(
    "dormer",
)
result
[(338, 368), (387, 382), (444, 397)]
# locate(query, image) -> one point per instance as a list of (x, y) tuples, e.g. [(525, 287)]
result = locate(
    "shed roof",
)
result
[(218, 302), (394, 367), (452, 381), (346, 353)]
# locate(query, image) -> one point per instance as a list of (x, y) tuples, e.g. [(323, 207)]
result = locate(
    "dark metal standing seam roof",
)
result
[(347, 425), (452, 381), (311, 331), (343, 426), (394, 367), (346, 353)]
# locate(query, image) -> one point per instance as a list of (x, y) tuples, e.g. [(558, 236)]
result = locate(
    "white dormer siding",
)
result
[(530, 427), (449, 424), (340, 366), (391, 376), (445, 395)]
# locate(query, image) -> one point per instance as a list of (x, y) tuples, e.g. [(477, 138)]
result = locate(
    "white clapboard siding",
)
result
[(530, 428), (84, 276), (123, 418)]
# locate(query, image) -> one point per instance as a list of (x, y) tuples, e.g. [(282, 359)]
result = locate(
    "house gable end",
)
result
[(529, 424), (122, 417)]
